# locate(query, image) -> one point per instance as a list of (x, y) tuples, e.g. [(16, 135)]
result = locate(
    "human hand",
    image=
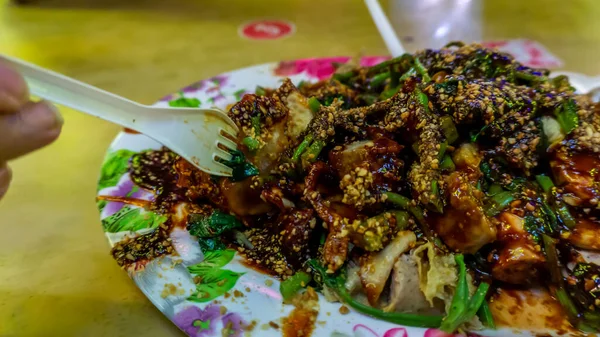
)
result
[(25, 126)]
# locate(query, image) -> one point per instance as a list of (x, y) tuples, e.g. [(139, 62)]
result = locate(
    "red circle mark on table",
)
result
[(266, 29)]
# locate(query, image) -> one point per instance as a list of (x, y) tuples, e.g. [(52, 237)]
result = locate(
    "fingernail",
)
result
[(8, 102), (42, 115), (59, 117)]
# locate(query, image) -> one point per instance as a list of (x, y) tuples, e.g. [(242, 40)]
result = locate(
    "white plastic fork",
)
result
[(194, 134)]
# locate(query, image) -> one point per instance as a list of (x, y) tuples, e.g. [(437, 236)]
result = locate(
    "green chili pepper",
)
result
[(251, 143), (421, 70), (454, 44), (449, 129), (545, 182), (442, 152), (383, 65), (343, 77), (416, 211), (336, 283), (409, 73), (486, 317), (389, 93), (462, 309), (460, 300), (447, 164), (314, 105), (498, 202), (495, 189), (302, 147), (436, 204), (290, 287), (313, 151), (378, 79), (423, 99), (566, 115)]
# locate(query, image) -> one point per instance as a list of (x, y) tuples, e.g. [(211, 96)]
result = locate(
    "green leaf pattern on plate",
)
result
[(132, 219), (213, 281), (115, 165)]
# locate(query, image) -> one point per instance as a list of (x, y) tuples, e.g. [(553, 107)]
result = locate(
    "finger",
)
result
[(34, 126), (13, 90), (5, 177)]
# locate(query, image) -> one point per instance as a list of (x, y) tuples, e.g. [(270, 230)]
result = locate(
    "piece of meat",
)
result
[(518, 259), (335, 249), (464, 225), (375, 268), (295, 230), (242, 199), (578, 175), (586, 234), (405, 295)]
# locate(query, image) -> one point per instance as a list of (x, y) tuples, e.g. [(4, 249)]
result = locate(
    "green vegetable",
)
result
[(562, 211), (566, 115), (443, 147), (396, 60), (210, 244), (454, 44), (529, 77), (498, 202), (213, 225), (368, 98), (388, 93), (462, 309), (485, 315), (587, 322), (460, 299), (436, 204), (447, 164), (314, 105), (343, 77), (313, 151), (545, 182), (416, 211), (302, 147), (402, 219), (409, 73), (183, 102), (242, 169), (251, 143), (260, 91), (423, 99), (495, 189), (449, 129), (336, 283), (565, 216), (290, 287), (379, 79), (421, 70)]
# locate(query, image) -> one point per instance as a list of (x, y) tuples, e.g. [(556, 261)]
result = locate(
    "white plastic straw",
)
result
[(386, 30)]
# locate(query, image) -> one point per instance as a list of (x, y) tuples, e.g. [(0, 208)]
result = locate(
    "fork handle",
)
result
[(83, 97)]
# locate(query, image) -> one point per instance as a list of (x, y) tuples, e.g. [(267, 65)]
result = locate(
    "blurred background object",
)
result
[(58, 278)]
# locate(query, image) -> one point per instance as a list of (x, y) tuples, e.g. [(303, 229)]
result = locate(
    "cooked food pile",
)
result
[(412, 191)]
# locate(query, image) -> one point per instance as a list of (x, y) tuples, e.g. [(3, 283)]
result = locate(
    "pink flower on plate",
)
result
[(321, 68), (439, 333), (361, 330), (196, 322), (369, 61)]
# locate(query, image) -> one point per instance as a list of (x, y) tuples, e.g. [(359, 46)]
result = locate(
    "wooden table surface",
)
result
[(56, 276)]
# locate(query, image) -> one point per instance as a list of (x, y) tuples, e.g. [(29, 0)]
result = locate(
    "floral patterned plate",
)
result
[(215, 294)]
